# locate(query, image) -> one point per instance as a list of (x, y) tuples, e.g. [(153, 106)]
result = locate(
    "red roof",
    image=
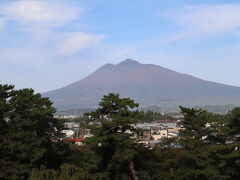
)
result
[(74, 139), (164, 121)]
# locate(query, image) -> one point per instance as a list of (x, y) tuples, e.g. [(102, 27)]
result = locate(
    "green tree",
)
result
[(30, 134), (65, 172), (205, 155), (115, 136), (234, 123), (195, 130)]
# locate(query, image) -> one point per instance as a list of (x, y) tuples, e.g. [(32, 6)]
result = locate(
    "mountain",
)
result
[(73, 112), (147, 84)]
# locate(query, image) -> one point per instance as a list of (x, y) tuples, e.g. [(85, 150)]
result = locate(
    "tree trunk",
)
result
[(132, 171)]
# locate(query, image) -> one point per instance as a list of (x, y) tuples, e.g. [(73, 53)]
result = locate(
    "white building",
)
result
[(68, 133)]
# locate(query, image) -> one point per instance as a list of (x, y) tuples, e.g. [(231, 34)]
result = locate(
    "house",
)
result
[(88, 135), (147, 126), (174, 130), (172, 135), (167, 123), (77, 141), (72, 125), (68, 133), (159, 134)]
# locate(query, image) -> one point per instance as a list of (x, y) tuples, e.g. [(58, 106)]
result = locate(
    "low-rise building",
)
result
[(167, 123), (68, 133), (159, 134), (156, 131), (72, 125)]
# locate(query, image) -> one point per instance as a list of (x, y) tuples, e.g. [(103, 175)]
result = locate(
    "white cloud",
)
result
[(211, 18), (204, 20), (77, 41), (37, 17), (42, 12)]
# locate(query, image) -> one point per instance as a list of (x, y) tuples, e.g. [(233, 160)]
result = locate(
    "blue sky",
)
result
[(47, 44)]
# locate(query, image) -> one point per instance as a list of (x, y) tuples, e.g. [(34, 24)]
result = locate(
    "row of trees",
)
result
[(150, 116), (31, 146)]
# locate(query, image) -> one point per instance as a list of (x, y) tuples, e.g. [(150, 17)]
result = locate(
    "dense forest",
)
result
[(31, 145)]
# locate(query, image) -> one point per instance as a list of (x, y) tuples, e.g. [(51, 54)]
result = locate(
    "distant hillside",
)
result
[(219, 109), (147, 84), (75, 112), (160, 109)]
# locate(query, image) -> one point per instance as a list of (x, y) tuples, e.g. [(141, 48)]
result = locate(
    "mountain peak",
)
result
[(129, 61)]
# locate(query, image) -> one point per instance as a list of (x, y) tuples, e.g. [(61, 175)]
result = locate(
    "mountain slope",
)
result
[(147, 84)]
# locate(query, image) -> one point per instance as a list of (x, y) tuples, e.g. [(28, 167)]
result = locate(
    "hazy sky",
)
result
[(47, 44)]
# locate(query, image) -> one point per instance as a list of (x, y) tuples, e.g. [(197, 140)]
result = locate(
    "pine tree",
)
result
[(114, 137), (29, 135), (234, 123)]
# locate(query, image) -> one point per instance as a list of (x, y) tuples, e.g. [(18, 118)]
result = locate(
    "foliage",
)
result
[(29, 133), (66, 171), (114, 138), (150, 116), (207, 148), (234, 123)]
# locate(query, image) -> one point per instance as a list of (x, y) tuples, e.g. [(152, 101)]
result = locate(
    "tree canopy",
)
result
[(31, 146), (115, 136), (29, 133)]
